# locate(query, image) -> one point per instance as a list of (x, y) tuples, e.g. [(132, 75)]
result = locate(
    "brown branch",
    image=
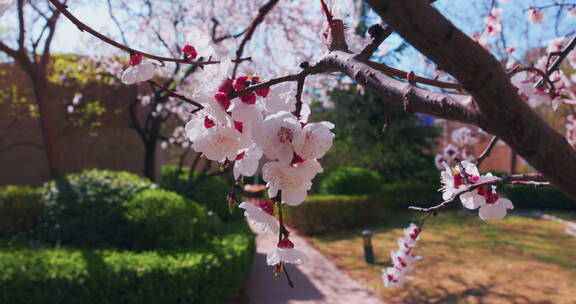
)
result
[(378, 36), (299, 90), (402, 74), (83, 27), (262, 12), (21, 144), (172, 93), (496, 181), (487, 151), (503, 112), (556, 64), (217, 40), (21, 25)]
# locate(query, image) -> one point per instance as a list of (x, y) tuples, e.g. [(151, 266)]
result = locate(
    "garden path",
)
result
[(316, 281)]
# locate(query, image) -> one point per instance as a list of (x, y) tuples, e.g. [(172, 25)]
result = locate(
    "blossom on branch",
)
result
[(285, 253), (261, 216), (138, 71), (403, 258)]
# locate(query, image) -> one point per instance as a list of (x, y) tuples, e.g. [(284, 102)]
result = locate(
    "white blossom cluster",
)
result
[(462, 176), (403, 258)]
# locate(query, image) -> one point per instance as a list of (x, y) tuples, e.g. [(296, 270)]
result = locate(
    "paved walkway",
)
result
[(317, 281)]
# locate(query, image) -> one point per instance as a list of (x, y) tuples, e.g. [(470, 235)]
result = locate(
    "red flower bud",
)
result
[(263, 92), (239, 126), (267, 206), (208, 123), (248, 98), (190, 52), (135, 59), (285, 243), (223, 100)]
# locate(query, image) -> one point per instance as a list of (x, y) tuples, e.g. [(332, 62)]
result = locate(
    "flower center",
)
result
[(285, 135)]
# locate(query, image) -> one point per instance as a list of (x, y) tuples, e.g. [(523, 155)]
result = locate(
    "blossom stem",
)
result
[(290, 283)]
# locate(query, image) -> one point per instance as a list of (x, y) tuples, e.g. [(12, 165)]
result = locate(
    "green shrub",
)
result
[(539, 198), (19, 209), (211, 192), (164, 219), (351, 181), (69, 275), (321, 213), (85, 209)]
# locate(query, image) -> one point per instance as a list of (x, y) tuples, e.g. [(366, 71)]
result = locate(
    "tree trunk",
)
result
[(47, 128), (150, 160)]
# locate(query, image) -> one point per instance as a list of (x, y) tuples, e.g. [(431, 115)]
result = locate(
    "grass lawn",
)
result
[(466, 260)]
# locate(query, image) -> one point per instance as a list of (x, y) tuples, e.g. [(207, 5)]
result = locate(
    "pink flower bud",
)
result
[(268, 207), (285, 244), (242, 83), (223, 100), (135, 59), (190, 52), (208, 123), (263, 92), (239, 126), (248, 98)]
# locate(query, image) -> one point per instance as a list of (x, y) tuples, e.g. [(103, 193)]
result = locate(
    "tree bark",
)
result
[(503, 112), (47, 129)]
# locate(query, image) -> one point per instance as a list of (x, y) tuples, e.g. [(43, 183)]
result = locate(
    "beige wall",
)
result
[(116, 146)]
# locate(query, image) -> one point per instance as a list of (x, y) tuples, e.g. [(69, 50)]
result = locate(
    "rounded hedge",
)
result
[(85, 209), (164, 219), (210, 274), (211, 192), (19, 209), (351, 181)]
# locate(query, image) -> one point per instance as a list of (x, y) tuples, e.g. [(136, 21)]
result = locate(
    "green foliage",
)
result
[(85, 209), (539, 198), (211, 192), (403, 152), (69, 275), (19, 209), (322, 213), (351, 181), (163, 219)]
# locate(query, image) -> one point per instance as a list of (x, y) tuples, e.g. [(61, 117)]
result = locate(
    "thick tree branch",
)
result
[(503, 112)]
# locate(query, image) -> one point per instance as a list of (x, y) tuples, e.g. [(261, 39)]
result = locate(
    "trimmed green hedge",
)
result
[(322, 213), (19, 209), (164, 219), (212, 192), (85, 209), (350, 181), (538, 198), (69, 275)]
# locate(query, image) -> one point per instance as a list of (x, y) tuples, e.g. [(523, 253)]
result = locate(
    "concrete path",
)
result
[(317, 281)]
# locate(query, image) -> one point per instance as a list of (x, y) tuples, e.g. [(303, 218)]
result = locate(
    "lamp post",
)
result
[(368, 252)]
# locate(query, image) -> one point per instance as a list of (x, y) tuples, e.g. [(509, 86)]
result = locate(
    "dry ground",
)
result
[(466, 260)]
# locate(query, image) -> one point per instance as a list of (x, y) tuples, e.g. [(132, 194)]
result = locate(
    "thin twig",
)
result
[(556, 64), (176, 95), (487, 151), (402, 74), (262, 12), (83, 27)]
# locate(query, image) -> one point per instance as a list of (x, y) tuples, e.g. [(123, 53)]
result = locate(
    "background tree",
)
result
[(400, 149)]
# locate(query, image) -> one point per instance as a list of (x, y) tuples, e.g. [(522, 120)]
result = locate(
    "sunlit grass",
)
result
[(466, 260)]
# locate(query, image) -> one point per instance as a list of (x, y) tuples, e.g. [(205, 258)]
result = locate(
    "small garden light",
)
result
[(368, 252)]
